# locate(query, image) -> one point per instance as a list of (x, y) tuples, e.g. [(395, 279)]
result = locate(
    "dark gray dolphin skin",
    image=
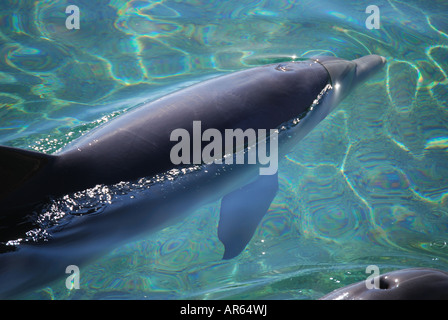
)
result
[(406, 284), (137, 144)]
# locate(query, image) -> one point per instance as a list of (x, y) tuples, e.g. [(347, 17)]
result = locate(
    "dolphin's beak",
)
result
[(351, 72), (368, 65), (345, 75)]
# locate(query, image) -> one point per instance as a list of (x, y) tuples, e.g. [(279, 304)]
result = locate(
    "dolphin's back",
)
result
[(138, 143)]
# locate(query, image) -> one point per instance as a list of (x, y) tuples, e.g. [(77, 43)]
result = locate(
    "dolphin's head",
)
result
[(406, 284), (345, 75), (336, 78)]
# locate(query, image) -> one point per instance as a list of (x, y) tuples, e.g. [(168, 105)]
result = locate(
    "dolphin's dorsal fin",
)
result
[(19, 165), (242, 211), (18, 184)]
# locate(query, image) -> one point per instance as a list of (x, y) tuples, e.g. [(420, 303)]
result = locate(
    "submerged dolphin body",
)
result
[(406, 284), (137, 144)]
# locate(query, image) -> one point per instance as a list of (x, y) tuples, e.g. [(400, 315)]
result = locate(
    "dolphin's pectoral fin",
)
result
[(242, 211)]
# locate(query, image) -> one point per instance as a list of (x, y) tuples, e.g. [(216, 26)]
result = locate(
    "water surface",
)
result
[(367, 187)]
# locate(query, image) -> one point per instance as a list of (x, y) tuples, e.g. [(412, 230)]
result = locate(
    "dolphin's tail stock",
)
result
[(26, 178)]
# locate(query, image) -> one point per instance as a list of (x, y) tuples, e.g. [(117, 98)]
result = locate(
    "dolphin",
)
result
[(406, 284), (291, 97)]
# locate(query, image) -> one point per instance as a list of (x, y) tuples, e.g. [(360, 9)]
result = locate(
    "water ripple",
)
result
[(368, 186)]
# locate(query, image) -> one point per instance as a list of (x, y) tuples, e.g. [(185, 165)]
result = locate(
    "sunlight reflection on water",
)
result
[(368, 186)]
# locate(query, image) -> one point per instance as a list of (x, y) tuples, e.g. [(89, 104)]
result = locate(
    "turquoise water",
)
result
[(368, 186)]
